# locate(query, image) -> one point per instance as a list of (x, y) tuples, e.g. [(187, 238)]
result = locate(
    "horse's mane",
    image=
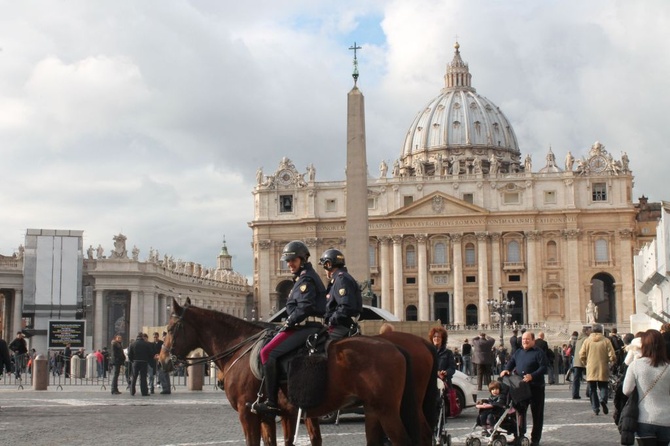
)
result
[(226, 322)]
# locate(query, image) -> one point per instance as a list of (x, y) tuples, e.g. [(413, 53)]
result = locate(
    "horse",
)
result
[(358, 371), (424, 364)]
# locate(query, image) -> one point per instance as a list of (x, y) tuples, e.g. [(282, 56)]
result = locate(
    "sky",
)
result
[(151, 118)]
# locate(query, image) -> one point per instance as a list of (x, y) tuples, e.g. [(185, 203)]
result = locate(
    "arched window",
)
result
[(410, 256), (513, 252), (439, 254), (552, 252), (602, 251), (411, 313), (470, 259)]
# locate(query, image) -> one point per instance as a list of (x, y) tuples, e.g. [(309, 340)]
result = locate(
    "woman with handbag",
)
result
[(446, 366), (650, 374)]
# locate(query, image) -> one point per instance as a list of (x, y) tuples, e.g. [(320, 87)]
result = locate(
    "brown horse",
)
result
[(358, 371), (424, 364)]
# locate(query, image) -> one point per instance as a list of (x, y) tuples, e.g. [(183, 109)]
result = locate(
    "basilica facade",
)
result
[(462, 218)]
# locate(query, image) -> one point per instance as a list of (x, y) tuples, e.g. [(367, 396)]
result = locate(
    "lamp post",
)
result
[(501, 307)]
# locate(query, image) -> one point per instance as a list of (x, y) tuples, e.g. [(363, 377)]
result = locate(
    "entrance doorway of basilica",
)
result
[(441, 307), (518, 310), (471, 317), (604, 296)]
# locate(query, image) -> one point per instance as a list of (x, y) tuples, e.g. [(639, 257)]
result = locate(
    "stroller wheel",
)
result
[(525, 441), (448, 443), (500, 440), (476, 442)]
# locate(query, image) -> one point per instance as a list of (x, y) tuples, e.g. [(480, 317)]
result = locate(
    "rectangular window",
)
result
[(599, 191), (410, 280), (511, 198), (331, 205), (372, 203), (470, 279), (286, 203), (550, 197), (514, 278), (469, 198), (407, 200)]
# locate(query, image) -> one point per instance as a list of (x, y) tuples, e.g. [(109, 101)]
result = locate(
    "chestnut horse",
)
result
[(358, 371)]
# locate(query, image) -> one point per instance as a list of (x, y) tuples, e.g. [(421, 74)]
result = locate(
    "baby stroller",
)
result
[(516, 395)]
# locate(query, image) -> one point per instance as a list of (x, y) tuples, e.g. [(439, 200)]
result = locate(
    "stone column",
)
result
[(573, 298), (496, 264), (459, 307), (17, 312), (625, 296), (534, 290), (483, 278), (265, 270), (385, 265), (135, 323), (424, 305), (398, 304), (98, 323)]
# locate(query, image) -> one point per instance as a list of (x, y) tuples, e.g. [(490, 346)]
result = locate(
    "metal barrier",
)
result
[(61, 381)]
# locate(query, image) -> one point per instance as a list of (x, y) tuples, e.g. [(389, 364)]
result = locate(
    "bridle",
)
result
[(178, 326)]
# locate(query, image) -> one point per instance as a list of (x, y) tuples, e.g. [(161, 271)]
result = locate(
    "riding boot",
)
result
[(270, 405), (646, 441)]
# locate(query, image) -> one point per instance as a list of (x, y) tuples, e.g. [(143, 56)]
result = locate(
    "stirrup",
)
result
[(265, 409)]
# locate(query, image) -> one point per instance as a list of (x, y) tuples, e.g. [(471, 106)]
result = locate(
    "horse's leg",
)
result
[(374, 434), (251, 426), (391, 424), (269, 431), (314, 431), (288, 426)]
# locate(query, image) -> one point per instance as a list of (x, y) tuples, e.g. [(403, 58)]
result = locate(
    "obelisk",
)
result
[(356, 253)]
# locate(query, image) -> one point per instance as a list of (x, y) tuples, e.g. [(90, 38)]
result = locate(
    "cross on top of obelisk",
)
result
[(355, 73)]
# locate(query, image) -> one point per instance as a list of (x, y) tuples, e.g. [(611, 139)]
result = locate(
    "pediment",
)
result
[(438, 203)]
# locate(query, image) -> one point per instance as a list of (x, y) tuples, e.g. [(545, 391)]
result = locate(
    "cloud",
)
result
[(151, 118)]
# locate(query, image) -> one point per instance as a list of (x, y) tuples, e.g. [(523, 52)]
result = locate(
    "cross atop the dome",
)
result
[(355, 73)]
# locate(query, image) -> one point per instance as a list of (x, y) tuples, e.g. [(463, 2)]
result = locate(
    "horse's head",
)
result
[(181, 337)]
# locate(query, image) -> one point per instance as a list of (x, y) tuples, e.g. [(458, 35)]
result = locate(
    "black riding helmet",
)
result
[(295, 249), (331, 258)]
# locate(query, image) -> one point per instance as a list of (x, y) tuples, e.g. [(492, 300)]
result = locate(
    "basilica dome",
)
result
[(459, 128)]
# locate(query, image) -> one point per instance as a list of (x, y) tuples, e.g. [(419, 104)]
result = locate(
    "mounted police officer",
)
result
[(344, 302), (305, 307)]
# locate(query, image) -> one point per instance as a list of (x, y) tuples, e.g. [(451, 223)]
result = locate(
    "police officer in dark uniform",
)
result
[(305, 307), (344, 302), (140, 353)]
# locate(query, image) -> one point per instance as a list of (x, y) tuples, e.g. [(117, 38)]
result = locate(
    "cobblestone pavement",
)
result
[(92, 416)]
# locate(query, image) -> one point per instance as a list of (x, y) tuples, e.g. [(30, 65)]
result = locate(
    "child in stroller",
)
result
[(491, 408), (501, 415)]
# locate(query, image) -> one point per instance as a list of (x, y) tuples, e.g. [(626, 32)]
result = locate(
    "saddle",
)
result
[(304, 370)]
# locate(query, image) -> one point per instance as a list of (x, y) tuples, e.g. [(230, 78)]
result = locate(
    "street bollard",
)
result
[(196, 374), (91, 366), (40, 373)]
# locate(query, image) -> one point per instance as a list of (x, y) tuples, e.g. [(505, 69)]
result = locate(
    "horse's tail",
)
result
[(408, 409), (432, 395)]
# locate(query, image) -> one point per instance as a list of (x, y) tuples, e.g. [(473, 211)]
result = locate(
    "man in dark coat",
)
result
[(5, 360), (483, 355), (20, 349), (530, 363), (117, 359), (139, 354)]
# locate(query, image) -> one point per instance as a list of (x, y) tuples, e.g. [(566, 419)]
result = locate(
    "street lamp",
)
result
[(502, 307)]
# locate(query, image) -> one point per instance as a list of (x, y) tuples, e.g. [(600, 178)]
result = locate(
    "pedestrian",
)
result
[(650, 375), (596, 354), (446, 365), (118, 358), (530, 363), (482, 357), (514, 341), (19, 348), (140, 353), (466, 354), (344, 302), (5, 359), (105, 362), (578, 367), (306, 303), (665, 331), (542, 344), (67, 356)]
